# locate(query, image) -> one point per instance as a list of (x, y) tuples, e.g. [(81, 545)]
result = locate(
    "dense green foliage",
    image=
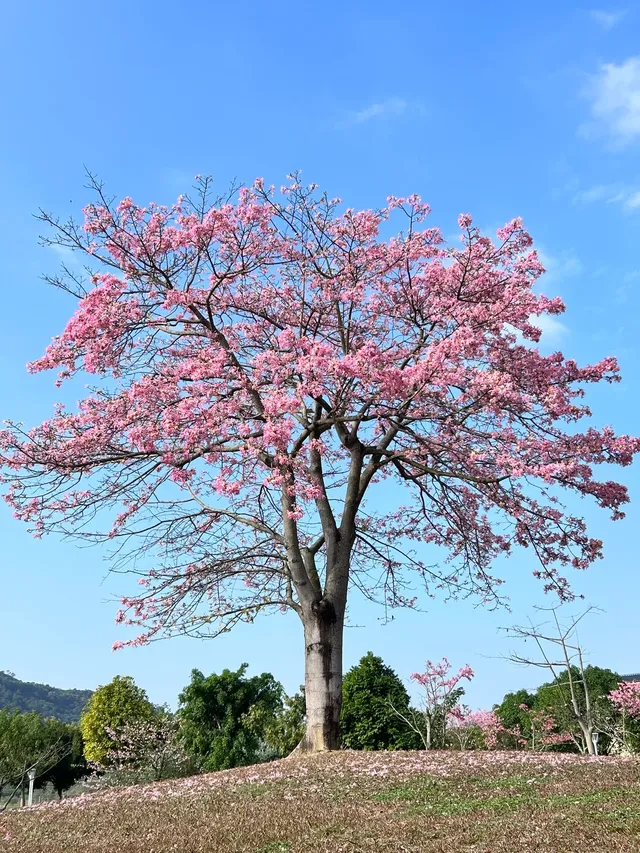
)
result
[(72, 766), (112, 706), (368, 720), (65, 705), (284, 732), (554, 698), (511, 715), (224, 717), (52, 748)]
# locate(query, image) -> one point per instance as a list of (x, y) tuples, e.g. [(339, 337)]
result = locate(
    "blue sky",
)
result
[(493, 110)]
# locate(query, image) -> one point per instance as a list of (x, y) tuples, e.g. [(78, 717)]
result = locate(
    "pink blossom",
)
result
[(626, 698), (245, 352)]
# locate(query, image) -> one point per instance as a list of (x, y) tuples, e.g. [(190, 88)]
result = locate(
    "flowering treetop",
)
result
[(265, 358), (626, 698), (441, 689)]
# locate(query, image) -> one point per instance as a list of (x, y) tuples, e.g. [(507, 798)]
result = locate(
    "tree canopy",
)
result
[(223, 716), (29, 742), (110, 709), (370, 692), (263, 361)]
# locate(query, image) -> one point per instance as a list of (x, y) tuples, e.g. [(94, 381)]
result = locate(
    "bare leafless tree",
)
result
[(559, 652)]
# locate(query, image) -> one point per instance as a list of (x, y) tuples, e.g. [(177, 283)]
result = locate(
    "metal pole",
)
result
[(32, 779)]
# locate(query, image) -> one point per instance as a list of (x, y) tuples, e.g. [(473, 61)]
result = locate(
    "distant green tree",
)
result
[(284, 732), (511, 714), (72, 766), (554, 697), (223, 717), (370, 693), (28, 742), (111, 707)]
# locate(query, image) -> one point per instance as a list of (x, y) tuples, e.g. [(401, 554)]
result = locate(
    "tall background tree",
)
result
[(29, 742), (264, 361), (576, 689), (283, 733), (71, 767), (112, 707), (223, 717), (370, 693)]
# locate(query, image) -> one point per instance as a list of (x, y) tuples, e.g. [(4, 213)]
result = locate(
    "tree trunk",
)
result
[(323, 632), (587, 734)]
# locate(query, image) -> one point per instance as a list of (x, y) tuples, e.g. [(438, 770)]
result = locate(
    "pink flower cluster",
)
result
[(245, 350), (438, 683), (626, 698)]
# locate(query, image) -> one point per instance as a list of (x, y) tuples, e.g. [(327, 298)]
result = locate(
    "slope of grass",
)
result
[(348, 802)]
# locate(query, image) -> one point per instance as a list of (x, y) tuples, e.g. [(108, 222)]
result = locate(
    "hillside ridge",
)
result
[(48, 701)]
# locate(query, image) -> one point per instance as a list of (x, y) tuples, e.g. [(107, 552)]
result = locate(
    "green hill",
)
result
[(66, 705)]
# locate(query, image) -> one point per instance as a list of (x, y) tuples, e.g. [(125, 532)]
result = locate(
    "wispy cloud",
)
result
[(66, 256), (382, 110), (553, 331), (614, 93), (633, 201), (559, 267), (628, 197), (607, 20)]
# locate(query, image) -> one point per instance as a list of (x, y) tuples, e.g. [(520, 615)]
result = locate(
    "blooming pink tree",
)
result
[(626, 699), (263, 363), (145, 750), (466, 723), (624, 706), (543, 730), (439, 701)]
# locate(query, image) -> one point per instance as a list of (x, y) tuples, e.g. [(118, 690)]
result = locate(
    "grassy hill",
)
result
[(352, 802), (48, 701)]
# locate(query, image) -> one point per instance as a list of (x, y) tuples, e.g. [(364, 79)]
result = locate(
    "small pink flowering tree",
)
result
[(264, 363), (439, 701), (478, 728), (626, 699), (145, 751), (543, 730)]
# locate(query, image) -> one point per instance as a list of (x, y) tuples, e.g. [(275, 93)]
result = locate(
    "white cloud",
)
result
[(552, 329), (600, 192), (615, 100), (560, 266), (66, 255), (633, 201), (607, 20), (382, 110), (626, 196)]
